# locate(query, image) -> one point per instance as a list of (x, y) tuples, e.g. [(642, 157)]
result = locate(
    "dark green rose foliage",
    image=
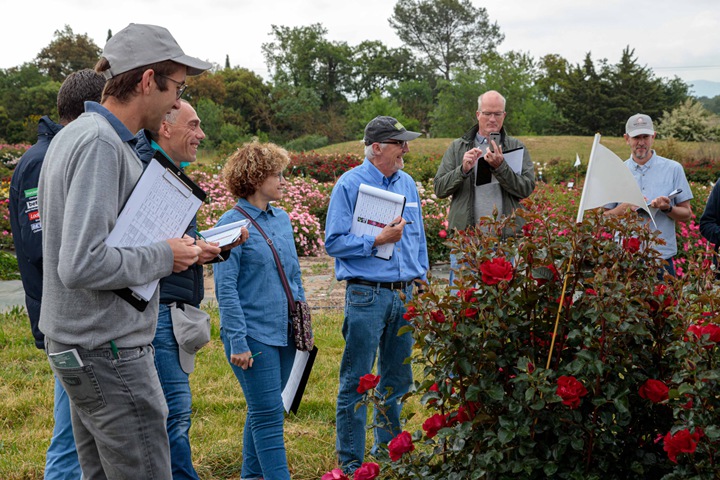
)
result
[(500, 405)]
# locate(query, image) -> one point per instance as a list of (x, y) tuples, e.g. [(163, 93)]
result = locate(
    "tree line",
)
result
[(324, 91)]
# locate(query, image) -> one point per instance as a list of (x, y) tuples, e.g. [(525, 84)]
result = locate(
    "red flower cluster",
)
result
[(433, 424), (654, 390), (496, 270), (631, 245), (570, 390), (467, 295), (438, 316), (410, 313), (682, 442), (367, 382), (710, 329), (400, 445)]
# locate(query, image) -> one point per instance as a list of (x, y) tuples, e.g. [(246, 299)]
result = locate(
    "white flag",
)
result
[(577, 160), (608, 180)]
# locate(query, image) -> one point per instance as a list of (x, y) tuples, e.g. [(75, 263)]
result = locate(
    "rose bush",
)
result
[(543, 359)]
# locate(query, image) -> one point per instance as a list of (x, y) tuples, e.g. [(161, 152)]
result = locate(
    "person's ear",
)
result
[(147, 81)]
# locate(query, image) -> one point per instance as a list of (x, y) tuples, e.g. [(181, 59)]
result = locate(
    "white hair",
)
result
[(490, 91)]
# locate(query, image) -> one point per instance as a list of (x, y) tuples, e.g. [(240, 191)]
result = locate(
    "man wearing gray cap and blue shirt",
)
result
[(99, 345), (661, 180), (377, 289)]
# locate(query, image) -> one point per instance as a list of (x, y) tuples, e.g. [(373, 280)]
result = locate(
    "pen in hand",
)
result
[(409, 222), (255, 354), (218, 256)]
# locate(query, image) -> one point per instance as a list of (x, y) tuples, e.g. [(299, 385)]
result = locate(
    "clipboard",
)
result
[(299, 375), (169, 172), (374, 209)]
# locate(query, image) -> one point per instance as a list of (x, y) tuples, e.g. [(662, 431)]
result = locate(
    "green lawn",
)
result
[(218, 405)]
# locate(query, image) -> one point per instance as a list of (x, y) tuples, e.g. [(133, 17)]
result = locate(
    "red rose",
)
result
[(471, 312), (367, 471), (659, 290), (590, 291), (570, 390), (713, 331), (467, 295), (654, 390), (438, 316), (631, 245), (335, 474), (367, 382), (682, 442), (433, 424), (496, 270), (410, 313), (400, 445), (530, 367), (528, 229), (442, 234)]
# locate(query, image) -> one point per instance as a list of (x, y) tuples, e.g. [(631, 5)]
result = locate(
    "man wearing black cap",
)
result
[(99, 345), (376, 288)]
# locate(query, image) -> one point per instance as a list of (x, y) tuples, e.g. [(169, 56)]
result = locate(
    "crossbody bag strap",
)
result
[(281, 271)]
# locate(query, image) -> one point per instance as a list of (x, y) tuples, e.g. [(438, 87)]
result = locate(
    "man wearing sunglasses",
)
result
[(99, 345), (474, 172), (377, 289)]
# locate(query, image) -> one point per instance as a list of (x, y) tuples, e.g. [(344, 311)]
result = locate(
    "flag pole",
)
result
[(581, 212)]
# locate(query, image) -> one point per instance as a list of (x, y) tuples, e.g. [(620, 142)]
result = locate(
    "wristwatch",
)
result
[(668, 210)]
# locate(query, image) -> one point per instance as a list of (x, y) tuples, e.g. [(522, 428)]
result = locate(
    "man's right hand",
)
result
[(470, 159), (185, 252), (392, 232)]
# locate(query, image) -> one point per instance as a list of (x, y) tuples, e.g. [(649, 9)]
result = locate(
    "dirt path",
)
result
[(321, 289)]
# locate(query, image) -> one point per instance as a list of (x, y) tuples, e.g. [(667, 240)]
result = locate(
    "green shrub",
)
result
[(516, 387), (306, 143), (8, 266), (422, 167)]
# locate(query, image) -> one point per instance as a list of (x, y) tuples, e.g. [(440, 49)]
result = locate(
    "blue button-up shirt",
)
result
[(354, 255), (250, 294)]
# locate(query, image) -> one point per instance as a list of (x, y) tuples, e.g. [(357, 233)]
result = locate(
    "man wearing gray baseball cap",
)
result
[(660, 179), (98, 344)]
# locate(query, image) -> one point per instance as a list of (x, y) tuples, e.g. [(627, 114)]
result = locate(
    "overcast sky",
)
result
[(671, 37)]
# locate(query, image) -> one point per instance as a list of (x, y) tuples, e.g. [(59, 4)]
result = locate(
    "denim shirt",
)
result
[(250, 294), (355, 256)]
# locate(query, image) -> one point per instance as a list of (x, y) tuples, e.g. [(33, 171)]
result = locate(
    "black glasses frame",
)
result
[(183, 85)]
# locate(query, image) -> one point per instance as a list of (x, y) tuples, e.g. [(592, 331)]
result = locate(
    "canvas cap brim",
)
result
[(195, 66), (641, 131), (405, 136), (187, 361)]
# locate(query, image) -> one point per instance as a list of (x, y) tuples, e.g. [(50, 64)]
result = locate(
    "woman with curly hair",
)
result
[(254, 320)]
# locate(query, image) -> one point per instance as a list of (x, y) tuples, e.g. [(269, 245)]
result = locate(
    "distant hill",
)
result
[(704, 88)]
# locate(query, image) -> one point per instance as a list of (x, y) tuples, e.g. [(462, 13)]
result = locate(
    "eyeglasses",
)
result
[(492, 114), (402, 144), (181, 88)]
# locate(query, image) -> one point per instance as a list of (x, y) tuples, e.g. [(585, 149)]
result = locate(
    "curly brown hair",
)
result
[(250, 165)]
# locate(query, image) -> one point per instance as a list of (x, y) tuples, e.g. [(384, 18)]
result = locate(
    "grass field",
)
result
[(542, 149), (218, 405)]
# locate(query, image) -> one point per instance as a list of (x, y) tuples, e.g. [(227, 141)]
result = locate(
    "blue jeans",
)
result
[(176, 387), (373, 317), (263, 443), (119, 414), (61, 462)]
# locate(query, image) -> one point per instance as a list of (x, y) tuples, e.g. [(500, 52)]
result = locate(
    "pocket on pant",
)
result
[(82, 387), (360, 296)]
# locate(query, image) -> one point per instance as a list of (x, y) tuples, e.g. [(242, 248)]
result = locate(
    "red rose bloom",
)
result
[(654, 390), (467, 295), (631, 245), (400, 445), (410, 313), (335, 474), (471, 312), (570, 390), (496, 270), (528, 229), (438, 316), (590, 291), (433, 424), (682, 442), (367, 382), (367, 471), (442, 234)]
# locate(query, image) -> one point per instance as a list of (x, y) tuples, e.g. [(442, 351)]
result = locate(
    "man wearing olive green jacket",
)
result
[(478, 179)]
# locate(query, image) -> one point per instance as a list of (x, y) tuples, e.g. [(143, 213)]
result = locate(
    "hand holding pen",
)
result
[(209, 250)]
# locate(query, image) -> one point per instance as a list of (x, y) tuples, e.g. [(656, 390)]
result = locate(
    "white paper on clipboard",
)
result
[(374, 209), (160, 207)]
